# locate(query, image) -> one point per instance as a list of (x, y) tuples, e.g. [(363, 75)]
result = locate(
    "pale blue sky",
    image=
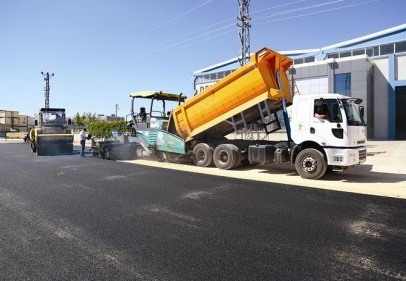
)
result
[(101, 50)]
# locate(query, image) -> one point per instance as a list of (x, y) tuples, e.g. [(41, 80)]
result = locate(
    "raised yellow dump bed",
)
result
[(264, 78)]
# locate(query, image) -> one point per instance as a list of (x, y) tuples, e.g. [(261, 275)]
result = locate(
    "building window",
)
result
[(309, 86), (370, 52), (345, 54), (400, 47), (229, 72), (387, 49), (332, 56), (342, 84), (376, 51), (358, 52), (309, 59)]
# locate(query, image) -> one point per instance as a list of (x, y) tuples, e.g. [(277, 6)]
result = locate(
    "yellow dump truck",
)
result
[(52, 134), (255, 94), (254, 91)]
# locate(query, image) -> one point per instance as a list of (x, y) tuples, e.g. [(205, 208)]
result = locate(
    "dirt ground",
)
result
[(383, 173)]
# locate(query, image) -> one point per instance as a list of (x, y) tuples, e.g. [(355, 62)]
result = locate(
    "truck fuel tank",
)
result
[(268, 153), (262, 154)]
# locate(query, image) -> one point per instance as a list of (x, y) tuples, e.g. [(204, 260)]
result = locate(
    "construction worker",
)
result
[(83, 138)]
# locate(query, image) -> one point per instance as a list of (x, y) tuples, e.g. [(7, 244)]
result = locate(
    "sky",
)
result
[(102, 50)]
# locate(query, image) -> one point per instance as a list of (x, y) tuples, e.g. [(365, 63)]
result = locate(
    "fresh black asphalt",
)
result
[(73, 218)]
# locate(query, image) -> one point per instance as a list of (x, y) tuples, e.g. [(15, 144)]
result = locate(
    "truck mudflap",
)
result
[(58, 144)]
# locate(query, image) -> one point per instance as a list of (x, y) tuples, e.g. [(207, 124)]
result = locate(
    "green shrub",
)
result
[(102, 129)]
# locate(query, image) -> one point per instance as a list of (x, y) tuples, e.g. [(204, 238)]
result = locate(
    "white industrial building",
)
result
[(371, 67)]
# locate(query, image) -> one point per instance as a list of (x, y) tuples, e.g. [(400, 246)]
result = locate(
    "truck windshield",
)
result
[(53, 117), (352, 111)]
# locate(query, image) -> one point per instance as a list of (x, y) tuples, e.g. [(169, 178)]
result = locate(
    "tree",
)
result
[(104, 129), (96, 127), (84, 120), (88, 118), (78, 120)]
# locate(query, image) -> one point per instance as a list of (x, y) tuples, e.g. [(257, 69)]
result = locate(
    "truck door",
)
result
[(326, 125)]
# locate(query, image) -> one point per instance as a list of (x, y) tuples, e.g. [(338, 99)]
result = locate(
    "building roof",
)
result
[(389, 35), (366, 38)]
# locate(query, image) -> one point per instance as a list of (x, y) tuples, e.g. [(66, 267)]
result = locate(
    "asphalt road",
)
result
[(73, 218)]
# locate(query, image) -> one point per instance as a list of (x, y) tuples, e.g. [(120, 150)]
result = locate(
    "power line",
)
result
[(223, 29), (189, 39), (278, 6), (299, 9), (315, 12), (152, 29), (194, 38)]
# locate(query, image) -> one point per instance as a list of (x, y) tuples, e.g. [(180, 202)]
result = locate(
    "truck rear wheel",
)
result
[(203, 155), (225, 156), (310, 164), (239, 155)]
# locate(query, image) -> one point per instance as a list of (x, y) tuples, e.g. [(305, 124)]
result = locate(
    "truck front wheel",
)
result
[(310, 164)]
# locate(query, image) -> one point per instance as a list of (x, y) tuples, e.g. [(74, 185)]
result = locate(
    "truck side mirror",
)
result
[(36, 123), (362, 112)]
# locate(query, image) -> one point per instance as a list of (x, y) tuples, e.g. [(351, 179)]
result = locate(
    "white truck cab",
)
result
[(331, 124)]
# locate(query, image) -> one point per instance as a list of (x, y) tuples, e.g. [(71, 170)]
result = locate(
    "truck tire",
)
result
[(239, 156), (203, 155), (225, 156), (310, 163)]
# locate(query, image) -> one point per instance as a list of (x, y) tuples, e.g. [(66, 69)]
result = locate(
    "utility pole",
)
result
[(117, 108), (244, 22), (46, 78)]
